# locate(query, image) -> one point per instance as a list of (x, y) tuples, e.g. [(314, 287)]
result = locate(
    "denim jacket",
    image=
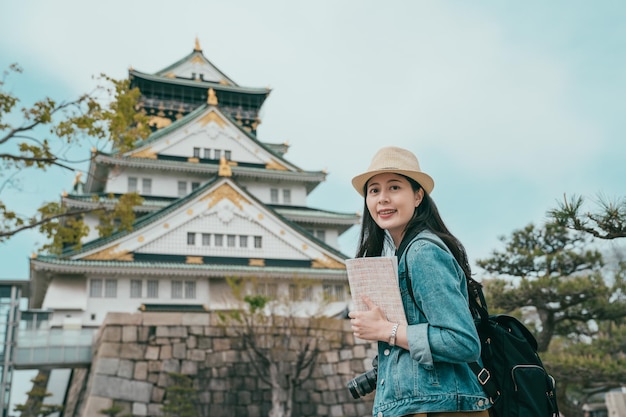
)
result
[(433, 375)]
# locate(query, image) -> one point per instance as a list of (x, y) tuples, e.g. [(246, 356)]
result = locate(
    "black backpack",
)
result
[(512, 374)]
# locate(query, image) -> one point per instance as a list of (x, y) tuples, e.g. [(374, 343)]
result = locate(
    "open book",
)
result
[(376, 277)]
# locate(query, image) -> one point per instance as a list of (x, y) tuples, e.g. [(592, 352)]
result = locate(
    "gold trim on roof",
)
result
[(228, 192), (110, 254), (194, 260), (193, 160), (170, 75), (197, 60), (212, 117), (224, 170), (197, 46), (256, 262), (326, 262), (275, 166), (212, 98), (159, 122)]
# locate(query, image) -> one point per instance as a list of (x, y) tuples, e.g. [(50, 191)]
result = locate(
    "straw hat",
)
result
[(398, 161)]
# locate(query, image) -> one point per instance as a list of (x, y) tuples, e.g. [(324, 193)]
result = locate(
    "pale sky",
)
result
[(508, 105)]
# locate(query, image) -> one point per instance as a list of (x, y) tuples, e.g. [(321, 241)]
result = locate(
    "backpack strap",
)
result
[(478, 306)]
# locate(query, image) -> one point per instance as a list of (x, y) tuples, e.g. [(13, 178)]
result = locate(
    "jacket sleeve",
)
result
[(440, 291)]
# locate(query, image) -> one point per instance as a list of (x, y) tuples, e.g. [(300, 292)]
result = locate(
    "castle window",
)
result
[(190, 289), (243, 241), (191, 239), (110, 288), (218, 154), (206, 239), (182, 188), (219, 240), (177, 289), (286, 196), (300, 293), (132, 184), (258, 242), (207, 153), (274, 196), (196, 152), (152, 288), (146, 186), (227, 155), (195, 186), (334, 292), (95, 288), (321, 235), (135, 288), (230, 241), (268, 290)]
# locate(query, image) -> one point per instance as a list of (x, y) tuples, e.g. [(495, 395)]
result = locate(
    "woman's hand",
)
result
[(371, 324)]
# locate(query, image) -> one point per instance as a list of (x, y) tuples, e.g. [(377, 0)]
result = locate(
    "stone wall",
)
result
[(134, 355)]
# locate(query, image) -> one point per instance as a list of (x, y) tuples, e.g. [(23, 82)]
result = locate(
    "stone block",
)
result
[(94, 404), (155, 410), (162, 319), (170, 365), (196, 355), (196, 319), (331, 356), (152, 352), (166, 352), (158, 394), (171, 331), (221, 344), (106, 366), (121, 389), (154, 366), (143, 333), (122, 319), (192, 341), (132, 351), (196, 330), (126, 369), (129, 334), (112, 334), (189, 368), (179, 351), (109, 350), (140, 409), (141, 371), (205, 343)]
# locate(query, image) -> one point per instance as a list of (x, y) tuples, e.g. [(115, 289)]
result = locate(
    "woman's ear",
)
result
[(419, 195)]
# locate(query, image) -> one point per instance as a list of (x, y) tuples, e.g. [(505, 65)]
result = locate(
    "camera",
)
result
[(364, 383)]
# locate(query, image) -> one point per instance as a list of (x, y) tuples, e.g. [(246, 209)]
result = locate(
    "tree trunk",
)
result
[(277, 405), (32, 406)]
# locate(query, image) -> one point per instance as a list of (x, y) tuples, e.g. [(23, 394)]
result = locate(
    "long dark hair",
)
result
[(425, 217)]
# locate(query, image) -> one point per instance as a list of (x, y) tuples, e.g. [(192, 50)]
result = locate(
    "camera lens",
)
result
[(363, 384)]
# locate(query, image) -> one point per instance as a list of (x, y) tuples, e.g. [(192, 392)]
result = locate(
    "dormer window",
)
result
[(196, 152)]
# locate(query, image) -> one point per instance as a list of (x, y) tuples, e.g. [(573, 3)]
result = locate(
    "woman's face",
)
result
[(391, 202)]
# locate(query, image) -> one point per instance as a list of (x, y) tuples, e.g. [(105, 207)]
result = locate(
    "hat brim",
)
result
[(422, 179)]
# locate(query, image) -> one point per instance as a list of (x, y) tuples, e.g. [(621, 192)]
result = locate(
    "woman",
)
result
[(423, 366)]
